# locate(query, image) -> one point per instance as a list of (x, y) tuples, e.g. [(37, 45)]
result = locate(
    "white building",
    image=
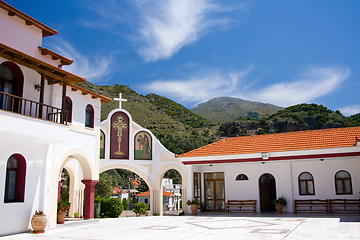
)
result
[(47, 124), (318, 164), (174, 202)]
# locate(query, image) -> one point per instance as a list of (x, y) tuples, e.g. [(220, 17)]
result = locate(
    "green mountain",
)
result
[(295, 118), (177, 128), (227, 109)]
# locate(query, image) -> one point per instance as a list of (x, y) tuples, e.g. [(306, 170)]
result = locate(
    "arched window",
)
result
[(89, 116), (343, 183), (102, 144), (306, 184), (68, 108), (11, 82), (15, 179), (241, 177)]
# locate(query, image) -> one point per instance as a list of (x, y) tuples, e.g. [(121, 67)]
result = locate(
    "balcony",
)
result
[(26, 107)]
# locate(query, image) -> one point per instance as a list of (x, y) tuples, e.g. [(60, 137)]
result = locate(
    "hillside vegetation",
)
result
[(295, 118)]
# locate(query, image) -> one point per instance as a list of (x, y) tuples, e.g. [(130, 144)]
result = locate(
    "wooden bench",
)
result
[(344, 205), (311, 205), (241, 206)]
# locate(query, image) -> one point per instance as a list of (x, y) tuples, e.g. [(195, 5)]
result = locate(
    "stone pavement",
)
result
[(209, 226)]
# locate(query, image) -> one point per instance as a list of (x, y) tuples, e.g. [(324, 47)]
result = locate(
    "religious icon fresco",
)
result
[(102, 144), (142, 145), (119, 135)]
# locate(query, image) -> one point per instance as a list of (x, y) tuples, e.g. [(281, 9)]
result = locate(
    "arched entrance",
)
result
[(267, 188), (134, 191), (175, 173), (172, 192)]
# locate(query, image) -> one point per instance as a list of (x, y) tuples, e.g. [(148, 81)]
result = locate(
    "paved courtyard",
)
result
[(206, 227)]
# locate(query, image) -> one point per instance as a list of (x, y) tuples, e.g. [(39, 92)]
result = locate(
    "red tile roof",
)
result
[(135, 182), (280, 142), (147, 194)]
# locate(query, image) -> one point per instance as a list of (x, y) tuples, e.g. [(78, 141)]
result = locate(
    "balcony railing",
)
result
[(12, 103)]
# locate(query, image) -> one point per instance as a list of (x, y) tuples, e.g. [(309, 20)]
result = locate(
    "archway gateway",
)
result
[(267, 191), (125, 185), (129, 146)]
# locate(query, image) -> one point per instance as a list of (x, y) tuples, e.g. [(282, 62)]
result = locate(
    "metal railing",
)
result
[(13, 103)]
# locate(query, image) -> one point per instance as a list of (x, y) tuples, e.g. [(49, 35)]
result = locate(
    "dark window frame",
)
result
[(20, 172), (89, 116), (197, 194), (306, 181), (68, 107), (102, 156), (241, 177), (343, 183)]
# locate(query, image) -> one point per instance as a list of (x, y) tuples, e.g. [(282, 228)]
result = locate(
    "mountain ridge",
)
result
[(227, 109)]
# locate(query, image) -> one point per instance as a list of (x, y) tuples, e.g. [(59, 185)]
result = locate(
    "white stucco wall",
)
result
[(14, 31), (286, 175)]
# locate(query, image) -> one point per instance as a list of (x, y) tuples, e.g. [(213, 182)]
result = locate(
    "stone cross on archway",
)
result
[(120, 99)]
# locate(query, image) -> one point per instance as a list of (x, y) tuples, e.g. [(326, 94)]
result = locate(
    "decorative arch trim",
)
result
[(136, 170)]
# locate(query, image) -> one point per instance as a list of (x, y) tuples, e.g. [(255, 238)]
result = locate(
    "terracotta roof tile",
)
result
[(280, 142), (147, 194)]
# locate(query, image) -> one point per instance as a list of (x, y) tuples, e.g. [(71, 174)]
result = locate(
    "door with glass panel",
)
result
[(215, 191)]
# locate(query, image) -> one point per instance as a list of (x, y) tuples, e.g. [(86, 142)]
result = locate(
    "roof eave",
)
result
[(46, 31)]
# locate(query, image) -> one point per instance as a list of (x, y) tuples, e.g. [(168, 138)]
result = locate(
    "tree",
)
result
[(143, 187), (140, 208), (174, 175), (105, 185)]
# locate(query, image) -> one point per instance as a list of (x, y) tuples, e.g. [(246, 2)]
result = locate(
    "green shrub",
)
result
[(140, 208), (111, 207), (125, 204)]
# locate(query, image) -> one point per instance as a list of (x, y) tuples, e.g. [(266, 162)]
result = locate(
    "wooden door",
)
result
[(215, 191), (267, 188)]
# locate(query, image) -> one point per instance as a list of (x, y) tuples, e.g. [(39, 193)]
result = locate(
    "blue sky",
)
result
[(280, 52)]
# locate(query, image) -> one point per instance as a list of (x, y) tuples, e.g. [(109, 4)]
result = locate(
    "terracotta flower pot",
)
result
[(60, 217), (38, 223), (194, 209), (279, 208)]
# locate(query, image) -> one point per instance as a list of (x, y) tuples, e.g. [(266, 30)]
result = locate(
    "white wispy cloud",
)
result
[(159, 29), (311, 84), (94, 67), (350, 110), (167, 26), (200, 87)]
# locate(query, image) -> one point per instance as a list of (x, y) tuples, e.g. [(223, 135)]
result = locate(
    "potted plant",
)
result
[(62, 209), (203, 206), (194, 204), (280, 203), (38, 222), (76, 215)]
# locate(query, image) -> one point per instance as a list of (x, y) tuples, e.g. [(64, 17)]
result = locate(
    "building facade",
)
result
[(316, 164), (47, 123)]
